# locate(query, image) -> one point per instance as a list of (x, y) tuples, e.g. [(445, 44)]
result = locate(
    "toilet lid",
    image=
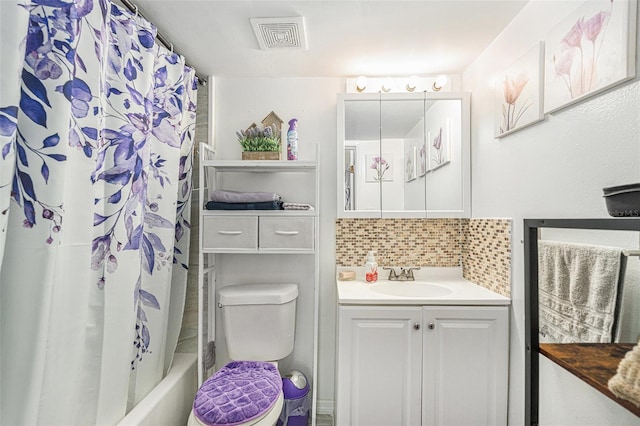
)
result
[(239, 392)]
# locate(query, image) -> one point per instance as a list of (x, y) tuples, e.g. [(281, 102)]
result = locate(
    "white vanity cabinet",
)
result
[(465, 351), (379, 364), (422, 365), (259, 246)]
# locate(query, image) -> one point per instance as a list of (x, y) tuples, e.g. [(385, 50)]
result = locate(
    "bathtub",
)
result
[(169, 403)]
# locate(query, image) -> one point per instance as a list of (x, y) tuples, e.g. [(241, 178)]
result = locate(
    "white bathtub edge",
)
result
[(169, 403)]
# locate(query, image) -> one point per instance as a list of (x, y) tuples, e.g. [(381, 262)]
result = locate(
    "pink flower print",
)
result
[(381, 166), (438, 156), (574, 36), (577, 61), (594, 25), (437, 141), (564, 62)]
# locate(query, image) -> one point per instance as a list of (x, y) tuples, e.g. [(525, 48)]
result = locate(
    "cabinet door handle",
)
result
[(230, 232), (431, 326), (286, 232), (416, 326)]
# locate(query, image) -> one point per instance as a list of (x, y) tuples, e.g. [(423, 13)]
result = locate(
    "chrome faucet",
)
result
[(406, 274), (392, 274)]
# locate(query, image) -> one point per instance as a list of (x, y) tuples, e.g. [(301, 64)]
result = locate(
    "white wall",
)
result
[(554, 169), (239, 102)]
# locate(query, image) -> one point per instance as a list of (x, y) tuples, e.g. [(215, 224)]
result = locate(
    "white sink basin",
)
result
[(411, 289)]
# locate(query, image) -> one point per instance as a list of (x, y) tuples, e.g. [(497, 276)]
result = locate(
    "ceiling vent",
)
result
[(280, 33)]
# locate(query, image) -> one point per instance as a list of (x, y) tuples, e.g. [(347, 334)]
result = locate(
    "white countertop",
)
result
[(463, 292)]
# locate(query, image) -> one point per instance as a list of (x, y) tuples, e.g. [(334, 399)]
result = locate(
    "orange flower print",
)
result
[(513, 87), (511, 113)]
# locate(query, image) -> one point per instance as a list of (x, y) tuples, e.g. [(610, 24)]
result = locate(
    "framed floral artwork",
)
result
[(422, 160), (519, 93), (410, 165), (379, 168), (439, 145), (591, 50)]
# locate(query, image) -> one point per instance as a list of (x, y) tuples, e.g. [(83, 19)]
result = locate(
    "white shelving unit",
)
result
[(297, 257)]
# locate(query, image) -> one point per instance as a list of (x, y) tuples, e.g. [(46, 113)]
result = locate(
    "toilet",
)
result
[(259, 327)]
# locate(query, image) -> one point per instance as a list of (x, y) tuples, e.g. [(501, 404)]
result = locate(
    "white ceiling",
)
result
[(345, 38)]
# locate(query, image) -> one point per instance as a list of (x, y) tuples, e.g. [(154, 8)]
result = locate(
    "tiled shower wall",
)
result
[(481, 246), (187, 341)]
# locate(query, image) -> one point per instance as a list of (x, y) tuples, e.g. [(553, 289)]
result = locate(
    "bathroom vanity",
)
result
[(431, 352)]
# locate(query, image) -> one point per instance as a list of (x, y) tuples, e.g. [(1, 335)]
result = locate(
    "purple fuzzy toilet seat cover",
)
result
[(239, 392)]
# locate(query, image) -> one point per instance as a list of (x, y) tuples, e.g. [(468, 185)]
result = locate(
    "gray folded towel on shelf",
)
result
[(263, 205), (224, 196), (578, 286), (296, 206)]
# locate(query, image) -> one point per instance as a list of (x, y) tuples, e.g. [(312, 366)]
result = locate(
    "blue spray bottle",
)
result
[(292, 140)]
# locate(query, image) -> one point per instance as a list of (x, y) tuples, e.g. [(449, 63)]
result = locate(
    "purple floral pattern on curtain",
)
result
[(115, 124)]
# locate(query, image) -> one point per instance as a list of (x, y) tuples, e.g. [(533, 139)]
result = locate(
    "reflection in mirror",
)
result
[(445, 159), (583, 286), (402, 123), (362, 140), (349, 175), (403, 155)]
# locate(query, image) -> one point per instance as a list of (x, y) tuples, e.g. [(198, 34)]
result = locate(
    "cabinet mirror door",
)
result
[(403, 155), (403, 144), (364, 167)]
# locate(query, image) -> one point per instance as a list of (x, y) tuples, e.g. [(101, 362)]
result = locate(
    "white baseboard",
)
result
[(324, 406)]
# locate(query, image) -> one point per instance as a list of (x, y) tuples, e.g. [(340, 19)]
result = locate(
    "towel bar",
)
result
[(631, 252)]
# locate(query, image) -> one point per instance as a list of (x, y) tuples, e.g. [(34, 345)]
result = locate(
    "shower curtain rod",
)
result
[(161, 38)]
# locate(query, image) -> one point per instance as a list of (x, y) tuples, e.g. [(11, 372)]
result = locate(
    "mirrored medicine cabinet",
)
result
[(404, 155)]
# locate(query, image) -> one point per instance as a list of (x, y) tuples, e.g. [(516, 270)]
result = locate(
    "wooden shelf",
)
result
[(594, 363)]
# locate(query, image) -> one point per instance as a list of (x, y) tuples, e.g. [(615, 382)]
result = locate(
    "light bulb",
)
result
[(411, 84), (386, 85), (441, 80)]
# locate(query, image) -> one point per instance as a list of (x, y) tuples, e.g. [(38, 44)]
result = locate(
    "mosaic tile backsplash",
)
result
[(486, 258), (481, 246), (399, 242)]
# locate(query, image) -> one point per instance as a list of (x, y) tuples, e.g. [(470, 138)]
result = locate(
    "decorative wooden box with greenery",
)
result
[(259, 144)]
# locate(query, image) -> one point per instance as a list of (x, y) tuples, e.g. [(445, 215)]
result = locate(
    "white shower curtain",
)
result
[(96, 135)]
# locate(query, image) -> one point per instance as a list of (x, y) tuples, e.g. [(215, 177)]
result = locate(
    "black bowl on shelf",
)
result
[(623, 200)]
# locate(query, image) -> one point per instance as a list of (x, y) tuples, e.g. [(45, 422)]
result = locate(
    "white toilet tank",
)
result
[(259, 320)]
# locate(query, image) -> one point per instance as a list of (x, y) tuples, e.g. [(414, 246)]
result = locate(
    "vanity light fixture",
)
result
[(361, 83), (406, 84), (411, 84), (441, 80)]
